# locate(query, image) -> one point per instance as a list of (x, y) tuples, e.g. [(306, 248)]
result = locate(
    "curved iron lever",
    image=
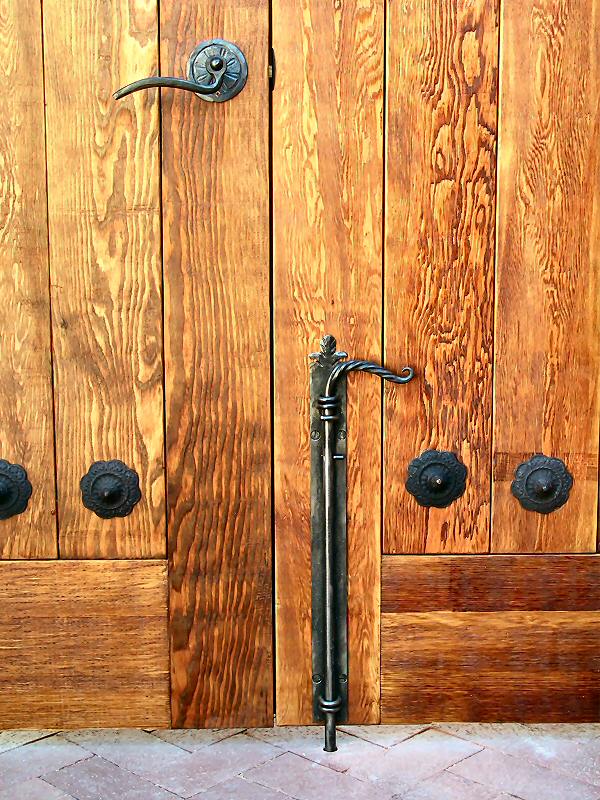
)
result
[(343, 367), (217, 71), (328, 523)]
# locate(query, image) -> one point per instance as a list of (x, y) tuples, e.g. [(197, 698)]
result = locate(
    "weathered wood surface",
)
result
[(104, 220), (484, 583), (535, 666), (439, 261), (217, 360), (490, 638), (26, 424), (547, 363), (327, 195), (84, 644)]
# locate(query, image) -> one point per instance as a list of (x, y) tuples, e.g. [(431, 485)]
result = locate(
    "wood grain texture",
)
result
[(26, 423), (491, 667), (103, 177), (217, 326), (84, 644), (490, 583), (328, 176), (547, 384), (439, 261)]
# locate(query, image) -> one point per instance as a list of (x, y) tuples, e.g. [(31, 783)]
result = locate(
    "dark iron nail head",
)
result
[(542, 484), (15, 489), (436, 478), (110, 489)]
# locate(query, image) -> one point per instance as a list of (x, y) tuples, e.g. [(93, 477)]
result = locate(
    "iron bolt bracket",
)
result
[(328, 434)]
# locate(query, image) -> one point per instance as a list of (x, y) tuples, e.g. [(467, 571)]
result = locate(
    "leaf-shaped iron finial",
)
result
[(328, 355)]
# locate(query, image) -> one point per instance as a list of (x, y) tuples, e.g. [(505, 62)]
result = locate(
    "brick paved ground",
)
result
[(435, 762)]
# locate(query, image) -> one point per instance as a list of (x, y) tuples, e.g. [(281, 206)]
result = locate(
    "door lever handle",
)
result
[(176, 83), (217, 71)]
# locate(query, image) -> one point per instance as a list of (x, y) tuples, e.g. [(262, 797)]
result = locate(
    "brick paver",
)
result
[(308, 743), (11, 739), (446, 786), (396, 762), (304, 779), (383, 735), (406, 764), (192, 740), (240, 788), (34, 760), (97, 779), (35, 789), (523, 779)]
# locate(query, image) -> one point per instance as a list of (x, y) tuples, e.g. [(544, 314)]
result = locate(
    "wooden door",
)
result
[(422, 182), (436, 203), (134, 270)]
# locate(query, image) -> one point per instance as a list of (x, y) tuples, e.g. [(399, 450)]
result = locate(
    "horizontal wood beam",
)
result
[(490, 583), (490, 638)]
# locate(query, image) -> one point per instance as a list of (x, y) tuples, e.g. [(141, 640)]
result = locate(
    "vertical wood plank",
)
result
[(26, 415), (328, 176), (103, 177), (547, 383), (439, 261), (217, 326)]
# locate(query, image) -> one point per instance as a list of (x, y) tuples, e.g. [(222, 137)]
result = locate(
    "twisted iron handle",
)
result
[(216, 67), (343, 367)]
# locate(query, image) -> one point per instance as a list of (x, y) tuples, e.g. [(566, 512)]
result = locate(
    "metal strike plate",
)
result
[(236, 68), (323, 362)]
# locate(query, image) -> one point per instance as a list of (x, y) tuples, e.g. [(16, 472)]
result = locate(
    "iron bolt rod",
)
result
[(330, 702)]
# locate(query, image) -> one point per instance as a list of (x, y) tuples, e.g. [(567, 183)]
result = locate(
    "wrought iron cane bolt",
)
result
[(15, 489), (542, 484), (217, 71), (110, 489), (436, 478), (328, 523)]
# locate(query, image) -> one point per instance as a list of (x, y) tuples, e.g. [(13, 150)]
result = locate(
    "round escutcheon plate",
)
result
[(236, 73)]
